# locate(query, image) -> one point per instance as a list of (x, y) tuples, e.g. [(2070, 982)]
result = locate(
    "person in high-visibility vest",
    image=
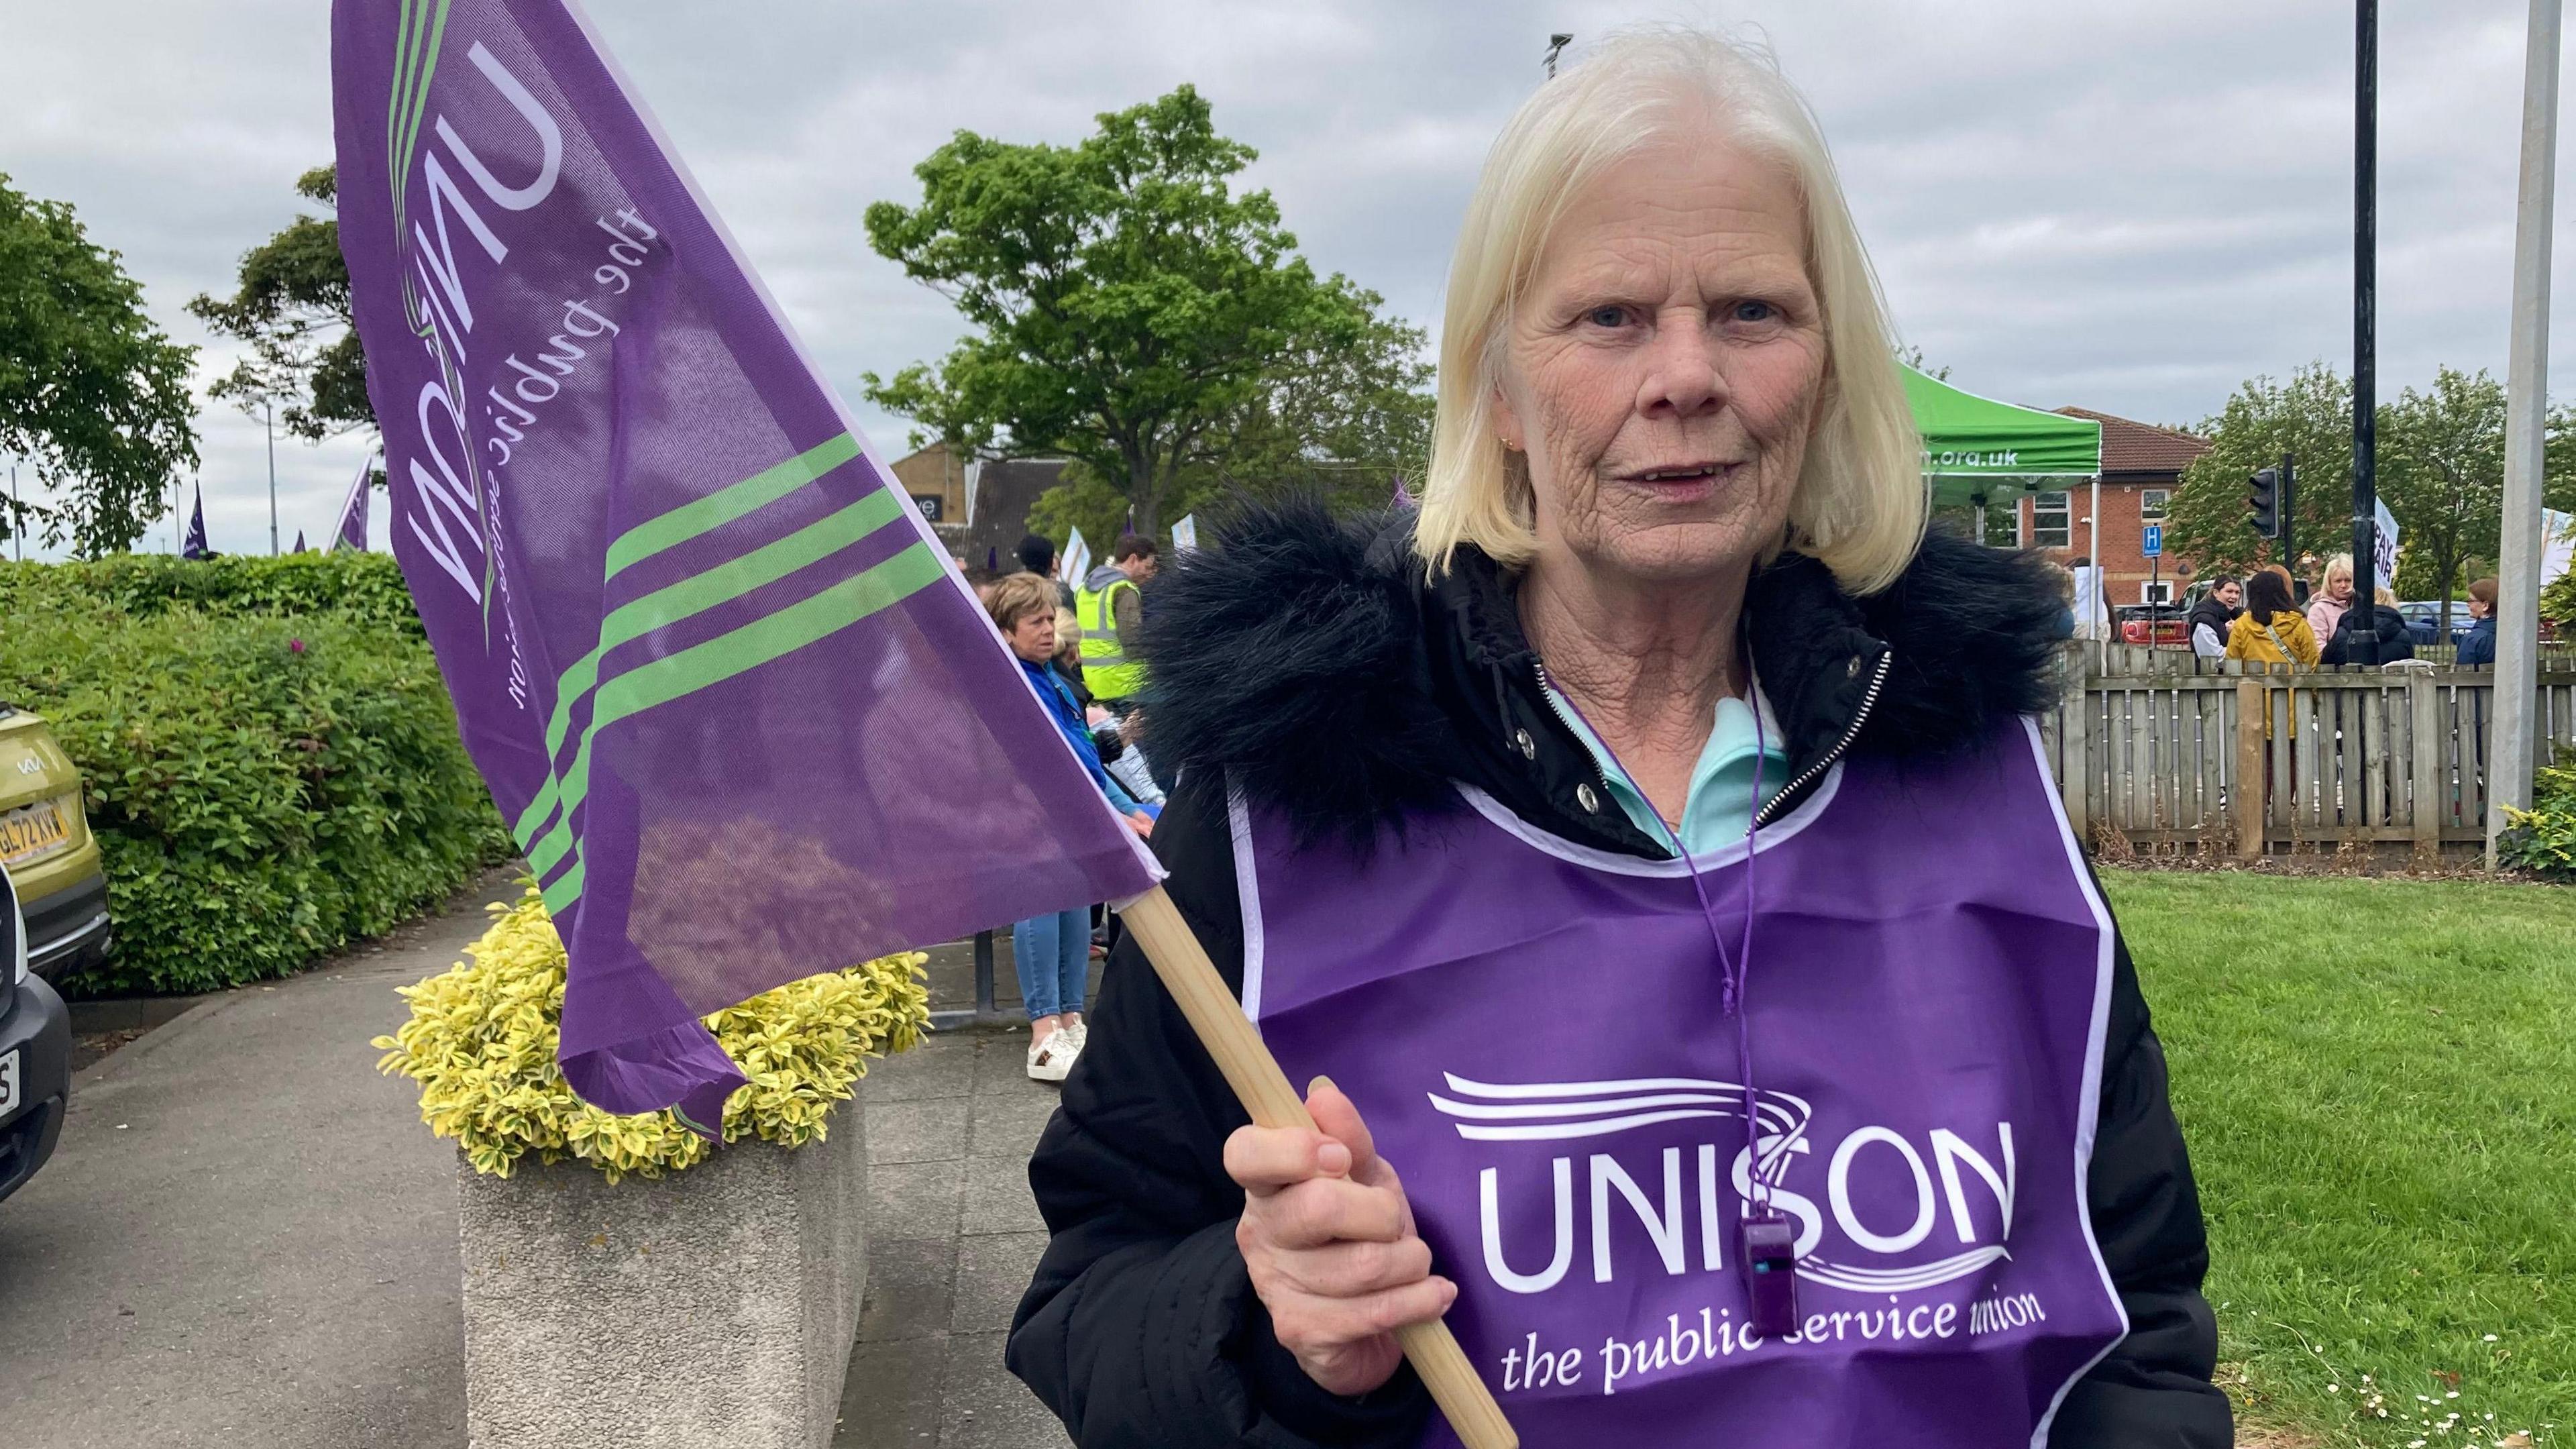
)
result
[(1109, 605)]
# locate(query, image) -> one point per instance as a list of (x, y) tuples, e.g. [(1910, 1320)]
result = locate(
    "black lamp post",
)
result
[(2364, 647)]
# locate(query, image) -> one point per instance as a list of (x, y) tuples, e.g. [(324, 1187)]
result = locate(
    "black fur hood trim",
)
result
[(1283, 655), (1305, 658)]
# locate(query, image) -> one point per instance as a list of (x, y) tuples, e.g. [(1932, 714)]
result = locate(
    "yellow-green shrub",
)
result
[(481, 1043)]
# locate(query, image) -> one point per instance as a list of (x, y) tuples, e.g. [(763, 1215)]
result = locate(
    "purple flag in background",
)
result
[(746, 721), (352, 532), (299, 542), (195, 547)]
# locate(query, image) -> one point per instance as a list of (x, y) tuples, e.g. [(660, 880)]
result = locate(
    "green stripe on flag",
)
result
[(427, 61), (722, 658), (566, 890), (413, 97), (719, 508), (691, 596), (394, 92)]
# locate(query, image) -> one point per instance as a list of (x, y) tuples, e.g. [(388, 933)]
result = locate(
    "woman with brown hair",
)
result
[(1052, 953), (2272, 630)]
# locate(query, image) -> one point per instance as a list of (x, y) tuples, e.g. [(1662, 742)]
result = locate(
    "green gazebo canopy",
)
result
[(1977, 447)]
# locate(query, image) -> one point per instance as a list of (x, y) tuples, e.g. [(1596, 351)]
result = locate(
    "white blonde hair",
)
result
[(1860, 503)]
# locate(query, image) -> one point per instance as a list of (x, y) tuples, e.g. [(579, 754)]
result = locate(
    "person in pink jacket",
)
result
[(2334, 596)]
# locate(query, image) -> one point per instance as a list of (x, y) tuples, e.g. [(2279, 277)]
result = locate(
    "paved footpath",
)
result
[(247, 1237), (952, 1239)]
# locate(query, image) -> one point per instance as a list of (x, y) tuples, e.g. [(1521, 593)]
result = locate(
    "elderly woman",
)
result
[(1645, 855)]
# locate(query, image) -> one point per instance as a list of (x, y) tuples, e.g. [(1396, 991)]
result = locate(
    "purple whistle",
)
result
[(1771, 1275)]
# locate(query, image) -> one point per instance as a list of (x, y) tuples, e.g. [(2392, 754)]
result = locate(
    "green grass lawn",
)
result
[(2378, 1080)]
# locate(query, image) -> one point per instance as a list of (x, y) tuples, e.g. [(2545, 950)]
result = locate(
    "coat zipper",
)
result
[(1868, 701), (1547, 692)]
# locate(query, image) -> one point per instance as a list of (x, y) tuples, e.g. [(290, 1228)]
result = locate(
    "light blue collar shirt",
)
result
[(1718, 811)]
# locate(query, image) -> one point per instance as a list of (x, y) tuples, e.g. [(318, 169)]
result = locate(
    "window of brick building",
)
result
[(2052, 521), (2161, 592)]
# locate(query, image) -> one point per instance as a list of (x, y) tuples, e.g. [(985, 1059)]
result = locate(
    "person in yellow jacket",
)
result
[(2272, 631), (1109, 606)]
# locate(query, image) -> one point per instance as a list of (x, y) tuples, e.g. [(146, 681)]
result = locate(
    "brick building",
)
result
[(980, 510), (2141, 468), (938, 480)]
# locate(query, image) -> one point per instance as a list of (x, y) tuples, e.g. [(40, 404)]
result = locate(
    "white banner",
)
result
[(1185, 534), (2557, 545), (2092, 612), (2385, 552), (1076, 561)]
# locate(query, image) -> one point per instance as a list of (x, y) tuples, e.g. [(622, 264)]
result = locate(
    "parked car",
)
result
[(2424, 619), (2156, 624), (35, 1055), (46, 847)]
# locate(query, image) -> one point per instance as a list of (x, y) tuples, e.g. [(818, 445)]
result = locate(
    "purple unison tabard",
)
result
[(746, 721), (1533, 1032)]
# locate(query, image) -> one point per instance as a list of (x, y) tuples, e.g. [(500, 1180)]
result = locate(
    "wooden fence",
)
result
[(2154, 754)]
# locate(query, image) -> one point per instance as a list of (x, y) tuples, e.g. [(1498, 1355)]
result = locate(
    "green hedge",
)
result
[(265, 787), (366, 586)]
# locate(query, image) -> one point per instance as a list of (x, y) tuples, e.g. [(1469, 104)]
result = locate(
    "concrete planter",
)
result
[(713, 1307)]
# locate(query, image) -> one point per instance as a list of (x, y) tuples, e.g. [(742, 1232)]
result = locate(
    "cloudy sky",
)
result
[(2123, 206)]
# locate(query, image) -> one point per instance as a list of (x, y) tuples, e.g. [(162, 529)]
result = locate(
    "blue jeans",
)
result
[(1053, 957)]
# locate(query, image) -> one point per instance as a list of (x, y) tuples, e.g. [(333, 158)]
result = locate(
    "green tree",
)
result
[(2441, 473), (2558, 460), (1347, 423), (1344, 416), (91, 392), (2558, 602), (292, 307), (1129, 306), (2309, 416)]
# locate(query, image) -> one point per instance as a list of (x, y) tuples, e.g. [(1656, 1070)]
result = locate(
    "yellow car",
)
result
[(46, 847)]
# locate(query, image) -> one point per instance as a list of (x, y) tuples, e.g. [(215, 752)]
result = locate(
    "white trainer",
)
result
[(1049, 1060)]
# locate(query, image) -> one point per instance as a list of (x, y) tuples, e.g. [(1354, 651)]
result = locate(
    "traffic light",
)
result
[(2263, 501)]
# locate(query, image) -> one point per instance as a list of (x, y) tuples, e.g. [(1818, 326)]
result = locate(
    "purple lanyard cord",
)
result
[(1767, 1246), (1732, 972)]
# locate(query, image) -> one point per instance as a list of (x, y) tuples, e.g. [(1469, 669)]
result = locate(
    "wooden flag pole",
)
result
[(1265, 1092)]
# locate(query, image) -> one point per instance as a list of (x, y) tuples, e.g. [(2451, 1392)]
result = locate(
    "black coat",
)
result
[(2394, 642), (2211, 612), (1307, 661)]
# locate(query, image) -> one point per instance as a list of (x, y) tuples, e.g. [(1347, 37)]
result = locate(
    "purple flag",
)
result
[(352, 532), (299, 542), (747, 723), (195, 547)]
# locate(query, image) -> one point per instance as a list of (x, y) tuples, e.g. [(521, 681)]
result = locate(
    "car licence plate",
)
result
[(31, 830), (9, 1084)]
